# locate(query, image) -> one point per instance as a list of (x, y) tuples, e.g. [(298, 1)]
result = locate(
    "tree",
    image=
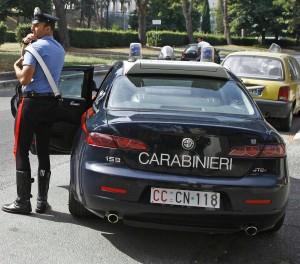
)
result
[(169, 12), (219, 17), (142, 12), (22, 7), (257, 17), (187, 6), (205, 26), (290, 18), (226, 23), (62, 23), (5, 9)]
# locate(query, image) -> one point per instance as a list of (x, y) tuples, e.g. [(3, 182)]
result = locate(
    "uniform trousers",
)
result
[(35, 116)]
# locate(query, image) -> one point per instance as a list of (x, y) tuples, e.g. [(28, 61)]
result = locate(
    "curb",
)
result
[(8, 84), (7, 75)]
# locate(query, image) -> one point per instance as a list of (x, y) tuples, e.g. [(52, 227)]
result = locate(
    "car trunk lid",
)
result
[(190, 145)]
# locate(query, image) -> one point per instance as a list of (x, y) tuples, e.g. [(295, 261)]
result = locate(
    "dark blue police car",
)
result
[(173, 145)]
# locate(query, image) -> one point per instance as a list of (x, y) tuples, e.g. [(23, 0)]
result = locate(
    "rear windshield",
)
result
[(255, 67), (179, 93)]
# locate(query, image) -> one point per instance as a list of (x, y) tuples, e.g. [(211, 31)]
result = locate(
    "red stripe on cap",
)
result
[(17, 126)]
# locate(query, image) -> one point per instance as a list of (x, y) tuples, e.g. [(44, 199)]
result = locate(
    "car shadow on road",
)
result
[(159, 246)]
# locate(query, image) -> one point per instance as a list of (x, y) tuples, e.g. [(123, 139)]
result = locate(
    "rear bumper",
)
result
[(274, 109), (181, 219), (134, 207)]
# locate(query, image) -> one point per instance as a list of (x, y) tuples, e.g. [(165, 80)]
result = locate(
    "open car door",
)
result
[(76, 87)]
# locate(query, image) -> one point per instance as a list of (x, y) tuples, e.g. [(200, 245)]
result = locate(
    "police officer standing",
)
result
[(36, 112)]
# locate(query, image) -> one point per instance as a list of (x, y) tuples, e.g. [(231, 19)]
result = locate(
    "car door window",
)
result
[(296, 67), (71, 83), (107, 81), (292, 70)]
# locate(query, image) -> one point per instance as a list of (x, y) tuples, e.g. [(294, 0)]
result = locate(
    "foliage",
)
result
[(10, 36), (101, 38), (205, 25), (256, 17), (22, 30), (170, 14), (179, 39), (3, 29), (290, 18), (162, 38), (219, 18), (22, 7), (213, 39)]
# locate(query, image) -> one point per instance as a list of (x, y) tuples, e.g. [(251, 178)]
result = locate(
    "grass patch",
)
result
[(7, 61), (75, 60)]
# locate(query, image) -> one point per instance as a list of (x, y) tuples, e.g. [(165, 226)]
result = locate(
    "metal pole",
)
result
[(156, 36)]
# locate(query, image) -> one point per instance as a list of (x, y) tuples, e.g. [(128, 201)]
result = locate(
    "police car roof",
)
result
[(209, 69)]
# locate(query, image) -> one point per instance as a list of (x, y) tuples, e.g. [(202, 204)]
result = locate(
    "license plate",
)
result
[(185, 197)]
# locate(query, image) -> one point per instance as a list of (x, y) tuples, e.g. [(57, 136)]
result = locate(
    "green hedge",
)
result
[(213, 39), (286, 42), (10, 36), (3, 29), (249, 41), (21, 31), (96, 38), (91, 38), (162, 38)]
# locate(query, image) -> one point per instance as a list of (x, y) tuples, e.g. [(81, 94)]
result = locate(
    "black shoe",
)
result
[(22, 204), (42, 207), (43, 187), (17, 207)]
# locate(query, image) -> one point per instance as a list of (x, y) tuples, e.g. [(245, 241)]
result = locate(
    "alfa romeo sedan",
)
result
[(273, 79), (172, 145)]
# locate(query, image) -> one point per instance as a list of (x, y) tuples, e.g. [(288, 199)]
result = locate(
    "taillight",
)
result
[(110, 141), (86, 115), (283, 94), (260, 151)]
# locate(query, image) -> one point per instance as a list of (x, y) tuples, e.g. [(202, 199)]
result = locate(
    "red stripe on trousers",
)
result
[(17, 126)]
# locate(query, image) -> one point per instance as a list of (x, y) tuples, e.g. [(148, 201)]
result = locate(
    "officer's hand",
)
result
[(19, 63), (29, 38)]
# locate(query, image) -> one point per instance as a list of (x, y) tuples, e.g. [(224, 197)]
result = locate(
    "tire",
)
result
[(277, 226), (286, 123), (76, 208)]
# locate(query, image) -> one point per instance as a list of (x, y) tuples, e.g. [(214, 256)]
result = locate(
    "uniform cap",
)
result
[(40, 17)]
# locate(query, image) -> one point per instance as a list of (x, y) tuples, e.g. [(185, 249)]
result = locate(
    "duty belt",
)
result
[(34, 94)]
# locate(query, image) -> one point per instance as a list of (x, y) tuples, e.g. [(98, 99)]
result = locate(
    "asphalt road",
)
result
[(58, 238)]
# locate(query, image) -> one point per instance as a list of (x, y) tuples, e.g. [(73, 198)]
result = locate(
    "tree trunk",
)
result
[(63, 32), (97, 13), (101, 16), (226, 23), (142, 12), (187, 13), (263, 37)]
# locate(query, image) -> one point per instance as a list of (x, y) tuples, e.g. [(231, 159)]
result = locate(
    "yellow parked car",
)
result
[(273, 80)]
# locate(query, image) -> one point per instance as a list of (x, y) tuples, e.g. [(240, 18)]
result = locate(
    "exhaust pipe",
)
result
[(113, 218), (251, 230)]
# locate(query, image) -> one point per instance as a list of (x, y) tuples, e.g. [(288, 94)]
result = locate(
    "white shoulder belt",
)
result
[(44, 67)]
